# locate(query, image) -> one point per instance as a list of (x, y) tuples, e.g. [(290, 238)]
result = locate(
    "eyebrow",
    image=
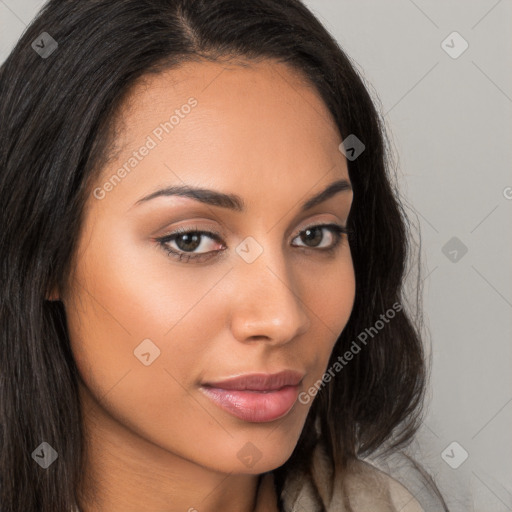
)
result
[(235, 202)]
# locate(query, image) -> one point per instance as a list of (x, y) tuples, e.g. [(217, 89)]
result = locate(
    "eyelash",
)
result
[(335, 229)]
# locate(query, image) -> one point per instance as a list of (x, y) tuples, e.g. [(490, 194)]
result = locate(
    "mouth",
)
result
[(257, 397)]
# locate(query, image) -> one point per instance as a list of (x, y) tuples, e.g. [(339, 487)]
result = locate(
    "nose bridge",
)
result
[(266, 302)]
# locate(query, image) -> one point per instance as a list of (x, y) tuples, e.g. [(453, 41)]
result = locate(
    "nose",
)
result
[(266, 303)]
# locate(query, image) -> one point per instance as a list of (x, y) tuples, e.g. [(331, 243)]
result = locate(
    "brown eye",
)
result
[(312, 236), (186, 242)]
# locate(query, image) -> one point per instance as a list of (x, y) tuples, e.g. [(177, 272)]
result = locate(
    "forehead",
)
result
[(213, 123)]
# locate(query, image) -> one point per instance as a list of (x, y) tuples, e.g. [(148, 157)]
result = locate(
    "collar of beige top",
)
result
[(391, 483)]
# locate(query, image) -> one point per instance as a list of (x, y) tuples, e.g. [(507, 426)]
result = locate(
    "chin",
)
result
[(255, 452)]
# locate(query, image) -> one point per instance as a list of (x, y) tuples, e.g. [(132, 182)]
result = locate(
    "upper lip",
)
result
[(259, 381)]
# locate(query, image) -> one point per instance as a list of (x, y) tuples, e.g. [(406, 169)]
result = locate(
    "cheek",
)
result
[(331, 299), (126, 314), (128, 304)]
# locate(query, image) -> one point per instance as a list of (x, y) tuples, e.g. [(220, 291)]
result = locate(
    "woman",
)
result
[(202, 266)]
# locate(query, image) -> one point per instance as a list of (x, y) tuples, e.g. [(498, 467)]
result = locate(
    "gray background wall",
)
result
[(449, 113)]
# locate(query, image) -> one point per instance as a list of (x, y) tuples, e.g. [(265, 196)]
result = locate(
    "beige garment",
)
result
[(363, 488)]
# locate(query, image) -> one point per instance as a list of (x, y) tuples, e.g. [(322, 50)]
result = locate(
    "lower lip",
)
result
[(254, 406)]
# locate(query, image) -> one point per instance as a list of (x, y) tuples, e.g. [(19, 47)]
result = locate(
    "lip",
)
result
[(256, 397), (259, 381)]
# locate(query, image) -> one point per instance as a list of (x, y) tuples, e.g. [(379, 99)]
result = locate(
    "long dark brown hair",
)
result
[(56, 132)]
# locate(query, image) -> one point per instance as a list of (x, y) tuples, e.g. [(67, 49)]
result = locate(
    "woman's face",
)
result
[(152, 318)]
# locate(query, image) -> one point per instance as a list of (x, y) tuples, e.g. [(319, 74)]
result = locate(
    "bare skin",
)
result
[(156, 442)]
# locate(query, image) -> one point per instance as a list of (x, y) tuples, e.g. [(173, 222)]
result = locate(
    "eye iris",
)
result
[(307, 237), (190, 239)]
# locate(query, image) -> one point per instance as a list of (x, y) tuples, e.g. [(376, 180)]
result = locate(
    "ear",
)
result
[(54, 294)]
